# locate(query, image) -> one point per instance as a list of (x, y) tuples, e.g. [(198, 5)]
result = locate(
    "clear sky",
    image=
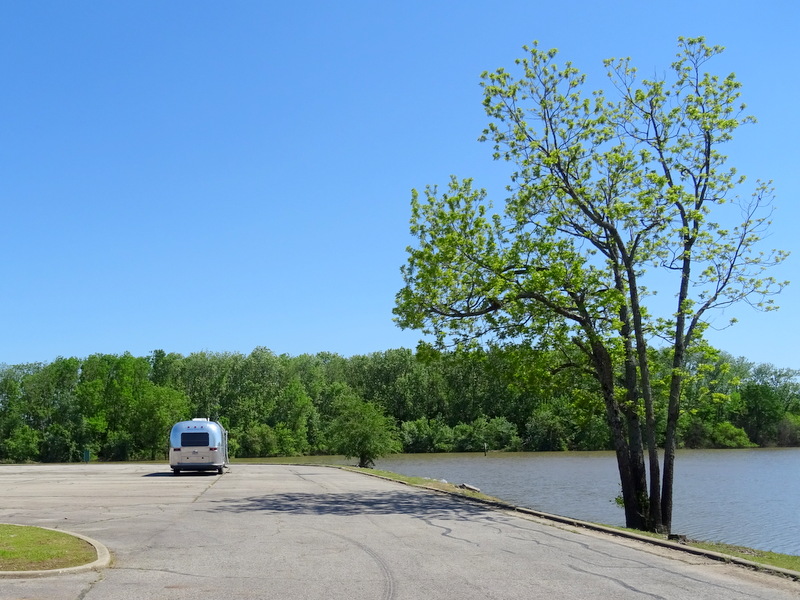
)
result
[(204, 175)]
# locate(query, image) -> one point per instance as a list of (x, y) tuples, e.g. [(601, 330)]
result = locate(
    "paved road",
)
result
[(291, 532)]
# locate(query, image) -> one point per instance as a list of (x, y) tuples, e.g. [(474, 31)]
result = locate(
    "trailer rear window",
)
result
[(194, 438)]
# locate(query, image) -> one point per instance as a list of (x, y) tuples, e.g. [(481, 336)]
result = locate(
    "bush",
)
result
[(22, 445), (694, 433), (501, 434), (118, 446), (546, 431), (492, 434), (58, 446), (789, 430), (426, 435), (255, 441), (727, 435)]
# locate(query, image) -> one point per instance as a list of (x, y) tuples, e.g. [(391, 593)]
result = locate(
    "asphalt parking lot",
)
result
[(306, 532)]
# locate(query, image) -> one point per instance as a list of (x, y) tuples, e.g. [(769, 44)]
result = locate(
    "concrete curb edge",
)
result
[(103, 558), (597, 527)]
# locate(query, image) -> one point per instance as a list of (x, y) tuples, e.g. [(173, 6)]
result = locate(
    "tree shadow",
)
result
[(349, 504)]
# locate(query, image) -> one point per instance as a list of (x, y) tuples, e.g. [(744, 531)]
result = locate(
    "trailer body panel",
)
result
[(198, 445)]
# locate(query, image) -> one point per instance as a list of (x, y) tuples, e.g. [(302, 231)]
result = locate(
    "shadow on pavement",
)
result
[(347, 504), (184, 474)]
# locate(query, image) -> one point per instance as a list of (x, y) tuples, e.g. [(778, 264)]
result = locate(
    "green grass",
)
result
[(426, 482), (763, 557), (32, 549), (782, 561)]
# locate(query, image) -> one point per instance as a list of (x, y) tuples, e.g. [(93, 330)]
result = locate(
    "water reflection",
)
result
[(747, 497)]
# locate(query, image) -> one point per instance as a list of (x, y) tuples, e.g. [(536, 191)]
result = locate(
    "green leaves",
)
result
[(610, 197), (362, 430), (615, 186)]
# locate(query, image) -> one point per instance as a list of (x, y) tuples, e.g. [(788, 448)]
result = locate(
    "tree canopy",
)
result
[(614, 194)]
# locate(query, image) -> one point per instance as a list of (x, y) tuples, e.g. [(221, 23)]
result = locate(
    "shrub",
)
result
[(727, 435), (22, 445), (58, 445), (255, 441), (118, 446), (546, 431), (493, 434), (694, 433), (789, 430), (501, 434), (426, 435)]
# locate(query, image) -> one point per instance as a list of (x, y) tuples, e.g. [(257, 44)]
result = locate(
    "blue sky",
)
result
[(219, 176)]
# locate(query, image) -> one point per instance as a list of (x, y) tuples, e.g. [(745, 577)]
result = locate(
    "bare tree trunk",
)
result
[(675, 383), (670, 441), (655, 512), (628, 451)]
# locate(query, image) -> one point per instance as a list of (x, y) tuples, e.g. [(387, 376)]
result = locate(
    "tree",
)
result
[(604, 195), (362, 430), (293, 413), (156, 410), (762, 411), (202, 376), (163, 367)]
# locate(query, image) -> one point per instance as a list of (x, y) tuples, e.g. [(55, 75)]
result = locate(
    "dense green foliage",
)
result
[(362, 430), (121, 407)]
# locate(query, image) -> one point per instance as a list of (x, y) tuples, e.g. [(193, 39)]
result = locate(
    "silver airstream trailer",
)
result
[(198, 445)]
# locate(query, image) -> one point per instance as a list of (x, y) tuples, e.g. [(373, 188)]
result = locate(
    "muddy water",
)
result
[(747, 497)]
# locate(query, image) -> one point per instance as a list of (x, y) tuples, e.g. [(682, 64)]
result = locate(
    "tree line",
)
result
[(120, 407)]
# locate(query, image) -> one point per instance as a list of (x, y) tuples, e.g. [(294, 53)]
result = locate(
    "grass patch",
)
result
[(782, 561), (32, 549), (435, 484), (763, 557)]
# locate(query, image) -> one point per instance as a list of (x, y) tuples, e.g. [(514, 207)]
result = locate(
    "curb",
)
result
[(103, 559), (726, 558)]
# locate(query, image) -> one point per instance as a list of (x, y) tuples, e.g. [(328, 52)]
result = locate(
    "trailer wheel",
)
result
[(219, 471), (176, 471)]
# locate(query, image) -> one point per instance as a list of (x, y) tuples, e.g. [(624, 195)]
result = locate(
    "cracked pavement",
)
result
[(285, 531)]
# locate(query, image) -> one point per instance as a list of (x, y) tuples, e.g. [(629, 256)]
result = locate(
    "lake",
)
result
[(748, 497)]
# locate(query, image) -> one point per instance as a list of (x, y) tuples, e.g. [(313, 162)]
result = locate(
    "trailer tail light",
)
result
[(176, 449), (213, 449)]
